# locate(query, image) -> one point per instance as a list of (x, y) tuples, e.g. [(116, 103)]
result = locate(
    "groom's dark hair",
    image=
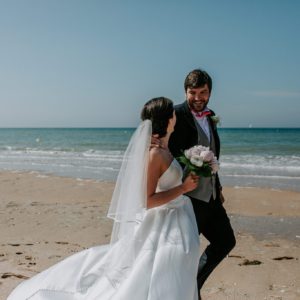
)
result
[(159, 110), (197, 78)]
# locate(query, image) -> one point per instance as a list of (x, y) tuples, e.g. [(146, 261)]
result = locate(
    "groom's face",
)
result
[(198, 98)]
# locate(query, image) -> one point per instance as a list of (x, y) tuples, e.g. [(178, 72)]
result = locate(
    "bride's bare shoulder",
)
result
[(156, 162), (155, 152), (158, 156)]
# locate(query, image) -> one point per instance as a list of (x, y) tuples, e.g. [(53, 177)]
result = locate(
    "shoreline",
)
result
[(45, 218), (228, 185)]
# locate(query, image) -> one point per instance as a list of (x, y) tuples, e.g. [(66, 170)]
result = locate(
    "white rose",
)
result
[(196, 150), (207, 155), (197, 160), (188, 154)]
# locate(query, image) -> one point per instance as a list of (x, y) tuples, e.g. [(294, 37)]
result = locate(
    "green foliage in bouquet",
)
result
[(204, 169)]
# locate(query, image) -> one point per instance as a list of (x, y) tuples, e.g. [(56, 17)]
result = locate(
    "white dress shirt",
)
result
[(202, 121)]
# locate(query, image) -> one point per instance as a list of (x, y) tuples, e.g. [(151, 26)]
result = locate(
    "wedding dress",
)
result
[(159, 261), (153, 254)]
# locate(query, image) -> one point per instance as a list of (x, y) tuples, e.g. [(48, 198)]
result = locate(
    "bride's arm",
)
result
[(154, 172)]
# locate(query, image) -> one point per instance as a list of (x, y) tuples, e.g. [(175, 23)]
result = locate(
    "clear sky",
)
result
[(71, 63)]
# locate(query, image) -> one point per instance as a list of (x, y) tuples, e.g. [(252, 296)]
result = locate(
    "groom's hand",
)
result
[(155, 141)]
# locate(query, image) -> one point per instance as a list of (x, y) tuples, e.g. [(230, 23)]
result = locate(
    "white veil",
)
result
[(130, 194)]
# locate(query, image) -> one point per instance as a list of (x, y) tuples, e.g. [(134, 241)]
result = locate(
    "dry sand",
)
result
[(44, 219)]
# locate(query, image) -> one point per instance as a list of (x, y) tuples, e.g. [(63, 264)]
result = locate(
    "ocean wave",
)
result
[(52, 155), (261, 157), (258, 167), (247, 170), (261, 164)]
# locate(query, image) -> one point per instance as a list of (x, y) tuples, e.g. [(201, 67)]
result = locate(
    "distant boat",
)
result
[(250, 126)]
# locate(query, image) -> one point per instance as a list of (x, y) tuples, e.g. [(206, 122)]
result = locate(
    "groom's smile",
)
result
[(198, 98)]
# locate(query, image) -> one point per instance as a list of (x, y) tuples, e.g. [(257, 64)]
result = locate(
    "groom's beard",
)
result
[(198, 106)]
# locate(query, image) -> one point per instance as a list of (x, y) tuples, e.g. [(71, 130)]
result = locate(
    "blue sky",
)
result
[(70, 63)]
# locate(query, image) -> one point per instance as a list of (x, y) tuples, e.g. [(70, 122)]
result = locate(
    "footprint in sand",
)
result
[(2, 257), (11, 204), (272, 245), (235, 256), (54, 256), (9, 274), (284, 258), (62, 243), (248, 262)]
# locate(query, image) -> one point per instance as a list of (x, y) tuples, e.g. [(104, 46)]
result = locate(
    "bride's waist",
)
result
[(175, 203), (179, 201)]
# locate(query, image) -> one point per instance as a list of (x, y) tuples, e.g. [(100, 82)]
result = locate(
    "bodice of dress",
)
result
[(170, 178)]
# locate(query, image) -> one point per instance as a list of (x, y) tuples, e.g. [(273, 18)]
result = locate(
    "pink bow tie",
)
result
[(202, 114)]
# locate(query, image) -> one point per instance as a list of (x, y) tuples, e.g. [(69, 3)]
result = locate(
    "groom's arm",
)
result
[(219, 187)]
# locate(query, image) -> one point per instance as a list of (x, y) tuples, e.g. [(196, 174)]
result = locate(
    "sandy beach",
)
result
[(47, 218)]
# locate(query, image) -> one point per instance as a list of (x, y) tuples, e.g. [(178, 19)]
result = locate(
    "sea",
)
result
[(250, 157)]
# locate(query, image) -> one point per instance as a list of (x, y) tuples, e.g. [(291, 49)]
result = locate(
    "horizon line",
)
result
[(127, 127)]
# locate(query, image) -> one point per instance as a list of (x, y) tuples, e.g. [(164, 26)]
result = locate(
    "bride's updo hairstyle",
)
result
[(159, 111)]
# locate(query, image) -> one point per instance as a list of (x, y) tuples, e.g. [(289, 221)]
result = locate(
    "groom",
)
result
[(196, 124)]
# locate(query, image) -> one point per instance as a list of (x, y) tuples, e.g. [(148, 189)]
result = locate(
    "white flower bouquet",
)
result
[(200, 160)]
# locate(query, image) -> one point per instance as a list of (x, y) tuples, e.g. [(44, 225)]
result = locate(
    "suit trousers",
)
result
[(214, 224)]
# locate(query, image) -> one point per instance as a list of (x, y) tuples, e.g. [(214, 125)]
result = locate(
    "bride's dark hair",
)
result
[(159, 110)]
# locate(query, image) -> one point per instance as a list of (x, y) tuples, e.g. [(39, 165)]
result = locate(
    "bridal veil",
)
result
[(128, 202)]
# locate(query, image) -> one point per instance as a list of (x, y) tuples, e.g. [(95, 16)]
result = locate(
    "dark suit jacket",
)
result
[(185, 133)]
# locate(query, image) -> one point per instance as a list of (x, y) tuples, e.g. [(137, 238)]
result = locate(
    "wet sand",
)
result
[(44, 219)]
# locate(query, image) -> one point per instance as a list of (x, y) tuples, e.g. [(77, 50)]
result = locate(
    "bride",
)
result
[(154, 249)]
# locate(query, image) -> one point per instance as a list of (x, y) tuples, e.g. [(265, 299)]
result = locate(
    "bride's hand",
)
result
[(190, 183)]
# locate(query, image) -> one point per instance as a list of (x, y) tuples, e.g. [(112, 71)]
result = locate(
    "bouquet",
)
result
[(200, 160)]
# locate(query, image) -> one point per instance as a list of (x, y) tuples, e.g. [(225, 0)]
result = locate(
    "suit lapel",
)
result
[(188, 115), (215, 133)]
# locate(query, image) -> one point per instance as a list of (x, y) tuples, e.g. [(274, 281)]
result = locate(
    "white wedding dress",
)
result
[(158, 262)]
